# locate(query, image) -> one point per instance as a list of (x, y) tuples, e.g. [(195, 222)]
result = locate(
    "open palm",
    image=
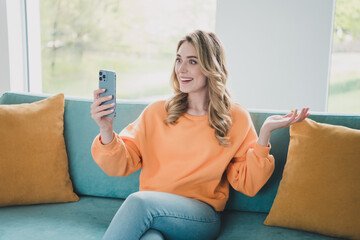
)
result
[(277, 121)]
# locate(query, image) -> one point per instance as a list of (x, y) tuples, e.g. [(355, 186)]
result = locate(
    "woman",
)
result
[(189, 147)]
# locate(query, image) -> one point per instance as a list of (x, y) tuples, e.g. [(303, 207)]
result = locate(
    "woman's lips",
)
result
[(185, 80)]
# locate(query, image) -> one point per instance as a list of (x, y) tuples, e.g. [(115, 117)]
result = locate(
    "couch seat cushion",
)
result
[(89, 218), (86, 219), (249, 225)]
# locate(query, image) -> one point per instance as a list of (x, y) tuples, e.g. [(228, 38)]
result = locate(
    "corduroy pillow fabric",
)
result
[(33, 158), (319, 191)]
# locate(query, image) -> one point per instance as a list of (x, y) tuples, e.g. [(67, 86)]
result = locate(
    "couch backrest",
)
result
[(89, 179)]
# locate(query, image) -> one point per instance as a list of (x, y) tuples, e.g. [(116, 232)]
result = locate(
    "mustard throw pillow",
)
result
[(33, 159), (320, 190)]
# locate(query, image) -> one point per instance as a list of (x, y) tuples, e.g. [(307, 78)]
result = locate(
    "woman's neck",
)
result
[(198, 103)]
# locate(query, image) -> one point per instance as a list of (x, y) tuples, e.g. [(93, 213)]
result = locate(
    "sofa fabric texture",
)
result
[(101, 195)]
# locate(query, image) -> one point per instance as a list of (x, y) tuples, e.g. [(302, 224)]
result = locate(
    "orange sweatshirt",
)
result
[(186, 158)]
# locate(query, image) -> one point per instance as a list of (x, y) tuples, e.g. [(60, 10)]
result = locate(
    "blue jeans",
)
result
[(156, 215)]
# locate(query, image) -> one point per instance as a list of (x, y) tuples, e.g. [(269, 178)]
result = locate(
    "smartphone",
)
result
[(107, 80)]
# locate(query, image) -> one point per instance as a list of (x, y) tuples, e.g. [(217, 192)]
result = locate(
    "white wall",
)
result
[(278, 51)]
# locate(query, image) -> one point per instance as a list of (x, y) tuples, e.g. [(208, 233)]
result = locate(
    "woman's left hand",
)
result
[(276, 121)]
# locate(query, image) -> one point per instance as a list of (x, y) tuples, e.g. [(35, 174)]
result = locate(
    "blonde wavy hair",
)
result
[(211, 56)]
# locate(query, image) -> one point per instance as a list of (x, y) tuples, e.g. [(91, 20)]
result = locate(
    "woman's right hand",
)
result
[(98, 114)]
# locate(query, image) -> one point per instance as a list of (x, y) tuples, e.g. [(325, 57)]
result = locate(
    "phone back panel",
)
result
[(107, 80)]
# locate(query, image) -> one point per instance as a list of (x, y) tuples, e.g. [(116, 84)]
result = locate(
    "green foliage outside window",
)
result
[(344, 89), (137, 39)]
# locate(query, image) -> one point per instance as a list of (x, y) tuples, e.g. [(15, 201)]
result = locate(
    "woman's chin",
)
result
[(184, 90)]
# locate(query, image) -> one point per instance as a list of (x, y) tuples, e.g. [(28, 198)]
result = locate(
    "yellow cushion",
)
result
[(320, 190), (33, 159)]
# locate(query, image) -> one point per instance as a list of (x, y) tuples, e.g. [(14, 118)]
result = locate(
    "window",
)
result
[(344, 90), (137, 39)]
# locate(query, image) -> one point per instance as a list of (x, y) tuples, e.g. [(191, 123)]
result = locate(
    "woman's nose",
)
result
[(182, 67)]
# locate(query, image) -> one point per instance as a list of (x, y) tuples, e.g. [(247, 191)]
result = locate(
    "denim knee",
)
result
[(137, 200)]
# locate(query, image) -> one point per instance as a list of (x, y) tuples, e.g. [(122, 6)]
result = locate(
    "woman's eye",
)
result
[(192, 62), (177, 60)]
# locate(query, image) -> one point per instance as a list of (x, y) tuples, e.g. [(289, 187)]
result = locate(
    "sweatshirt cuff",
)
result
[(262, 151), (106, 147)]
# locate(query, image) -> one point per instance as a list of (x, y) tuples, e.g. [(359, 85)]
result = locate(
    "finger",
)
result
[(288, 115), (102, 99), (306, 115), (305, 112), (102, 114), (102, 108), (294, 114), (302, 115), (294, 118), (295, 111), (97, 92)]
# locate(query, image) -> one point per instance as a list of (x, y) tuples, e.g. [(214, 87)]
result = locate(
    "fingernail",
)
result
[(110, 96)]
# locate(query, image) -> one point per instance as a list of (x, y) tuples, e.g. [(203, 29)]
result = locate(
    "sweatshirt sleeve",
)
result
[(122, 156), (252, 164)]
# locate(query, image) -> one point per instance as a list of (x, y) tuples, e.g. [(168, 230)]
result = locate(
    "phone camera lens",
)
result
[(100, 78), (104, 76), (100, 73)]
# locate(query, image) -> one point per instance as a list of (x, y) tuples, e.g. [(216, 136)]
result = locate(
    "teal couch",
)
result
[(101, 195)]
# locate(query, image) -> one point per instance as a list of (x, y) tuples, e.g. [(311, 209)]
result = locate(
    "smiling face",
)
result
[(188, 70)]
